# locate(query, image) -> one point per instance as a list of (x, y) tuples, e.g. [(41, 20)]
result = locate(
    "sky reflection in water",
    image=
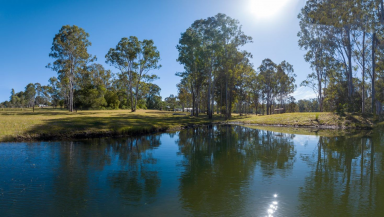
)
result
[(207, 171)]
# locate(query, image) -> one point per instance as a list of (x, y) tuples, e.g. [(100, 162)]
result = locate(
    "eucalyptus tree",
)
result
[(314, 38), (275, 81), (185, 94), (376, 26), (285, 81), (13, 97), (147, 59), (254, 86), (30, 95), (268, 78), (339, 17), (230, 39), (244, 72), (190, 56), (209, 51), (70, 49), (134, 59), (363, 27), (123, 58)]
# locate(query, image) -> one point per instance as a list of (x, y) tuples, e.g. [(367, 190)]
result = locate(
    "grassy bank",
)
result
[(23, 125), (319, 120)]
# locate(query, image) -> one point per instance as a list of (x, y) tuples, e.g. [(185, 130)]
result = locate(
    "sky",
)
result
[(27, 29)]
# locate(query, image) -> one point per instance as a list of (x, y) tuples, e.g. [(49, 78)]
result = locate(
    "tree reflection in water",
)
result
[(211, 171), (134, 173), (137, 178), (219, 164), (347, 177)]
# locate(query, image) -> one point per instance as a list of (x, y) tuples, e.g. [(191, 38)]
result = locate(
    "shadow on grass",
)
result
[(113, 126)]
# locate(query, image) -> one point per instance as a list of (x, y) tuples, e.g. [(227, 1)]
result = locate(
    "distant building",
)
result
[(188, 109)]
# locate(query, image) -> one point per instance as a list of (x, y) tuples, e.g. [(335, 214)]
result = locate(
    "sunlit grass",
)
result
[(324, 119), (58, 123), (17, 124)]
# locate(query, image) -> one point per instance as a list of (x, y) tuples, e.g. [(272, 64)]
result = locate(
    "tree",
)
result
[(285, 81), (209, 51), (123, 58), (134, 59), (13, 98), (153, 98), (70, 49), (30, 94), (171, 102), (267, 73), (147, 59), (314, 39)]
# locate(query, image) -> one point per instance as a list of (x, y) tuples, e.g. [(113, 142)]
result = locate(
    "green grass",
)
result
[(58, 124), (323, 120), (22, 125)]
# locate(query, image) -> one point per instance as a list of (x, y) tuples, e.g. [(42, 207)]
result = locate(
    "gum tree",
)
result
[(70, 49)]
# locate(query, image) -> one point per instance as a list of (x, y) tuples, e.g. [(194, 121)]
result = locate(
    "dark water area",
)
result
[(207, 171)]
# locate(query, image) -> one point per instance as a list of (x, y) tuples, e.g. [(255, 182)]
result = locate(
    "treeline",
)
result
[(83, 84), (219, 75), (344, 44)]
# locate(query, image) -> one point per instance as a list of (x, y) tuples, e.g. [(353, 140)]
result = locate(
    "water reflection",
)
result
[(219, 164), (137, 177), (273, 207), (206, 171), (346, 177)]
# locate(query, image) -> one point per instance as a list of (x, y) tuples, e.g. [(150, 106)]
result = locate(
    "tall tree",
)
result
[(268, 77), (70, 49), (209, 51), (30, 95), (147, 59), (123, 57)]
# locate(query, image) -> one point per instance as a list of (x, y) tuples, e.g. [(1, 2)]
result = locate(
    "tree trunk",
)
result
[(132, 98), (209, 112), (350, 80), (136, 95), (212, 100), (373, 71), (193, 103), (363, 78), (226, 98)]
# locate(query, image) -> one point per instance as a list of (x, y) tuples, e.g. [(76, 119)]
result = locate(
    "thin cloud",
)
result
[(304, 93)]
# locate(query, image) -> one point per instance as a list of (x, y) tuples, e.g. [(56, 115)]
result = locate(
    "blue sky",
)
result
[(27, 29)]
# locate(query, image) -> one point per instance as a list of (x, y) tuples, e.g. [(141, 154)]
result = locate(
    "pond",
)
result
[(205, 171)]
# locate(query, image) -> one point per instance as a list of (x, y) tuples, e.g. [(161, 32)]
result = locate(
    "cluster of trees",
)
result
[(83, 84), (344, 45), (218, 74), (343, 40)]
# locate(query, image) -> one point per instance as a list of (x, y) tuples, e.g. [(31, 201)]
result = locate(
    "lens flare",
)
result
[(267, 8)]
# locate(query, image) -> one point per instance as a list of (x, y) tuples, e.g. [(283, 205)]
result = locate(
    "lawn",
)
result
[(17, 124), (319, 119), (23, 124)]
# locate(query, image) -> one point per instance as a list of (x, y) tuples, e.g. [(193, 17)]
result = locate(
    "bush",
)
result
[(112, 100)]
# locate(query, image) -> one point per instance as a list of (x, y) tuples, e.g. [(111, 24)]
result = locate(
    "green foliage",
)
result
[(112, 100), (134, 59), (70, 49)]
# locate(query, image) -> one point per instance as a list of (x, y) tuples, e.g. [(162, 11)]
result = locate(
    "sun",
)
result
[(267, 8)]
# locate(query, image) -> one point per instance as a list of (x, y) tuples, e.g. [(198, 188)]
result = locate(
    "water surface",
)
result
[(207, 171)]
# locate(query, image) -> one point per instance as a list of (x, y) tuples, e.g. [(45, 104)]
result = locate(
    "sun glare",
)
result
[(267, 8)]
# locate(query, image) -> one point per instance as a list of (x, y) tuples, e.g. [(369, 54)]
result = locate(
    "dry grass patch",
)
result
[(319, 119)]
